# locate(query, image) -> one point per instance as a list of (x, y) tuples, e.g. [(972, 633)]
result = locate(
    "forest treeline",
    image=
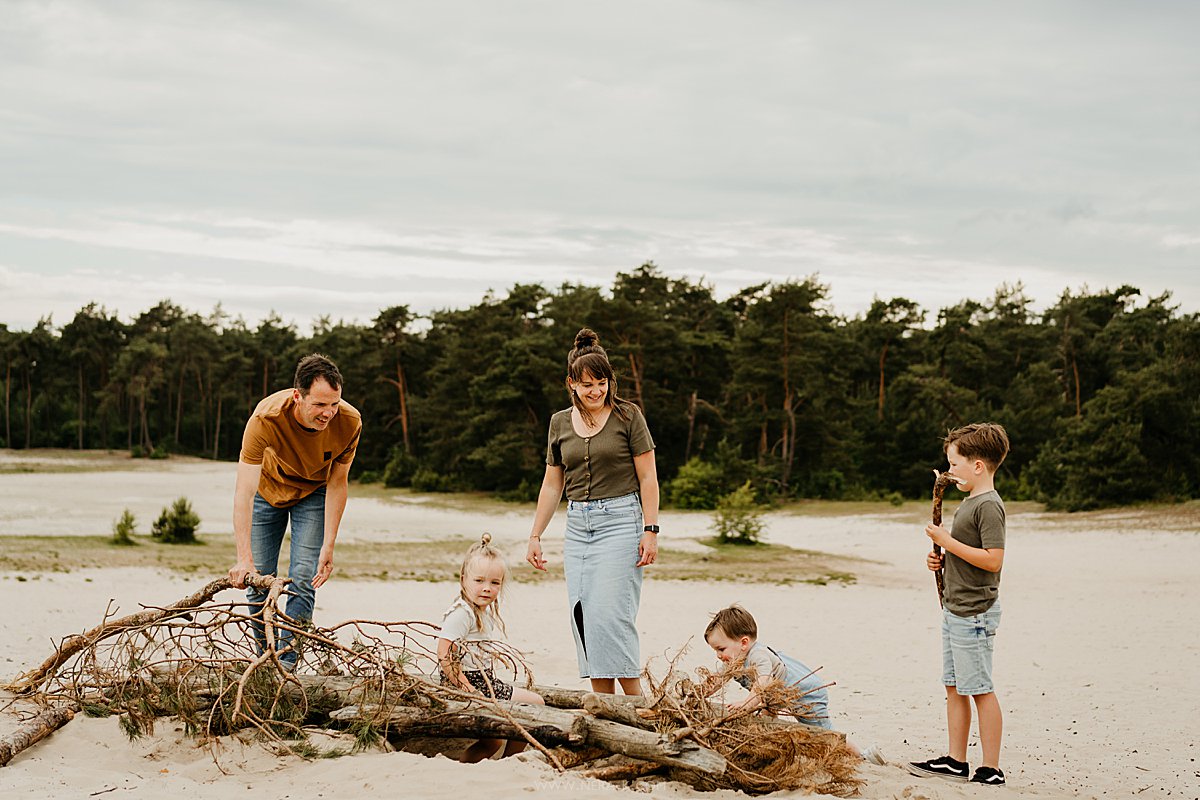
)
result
[(1100, 392)]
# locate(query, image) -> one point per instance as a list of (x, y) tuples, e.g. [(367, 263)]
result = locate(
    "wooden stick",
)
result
[(30, 681), (571, 757), (624, 772), (34, 731), (941, 480)]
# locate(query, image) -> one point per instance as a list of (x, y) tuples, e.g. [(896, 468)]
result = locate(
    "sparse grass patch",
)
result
[(760, 563), (434, 561)]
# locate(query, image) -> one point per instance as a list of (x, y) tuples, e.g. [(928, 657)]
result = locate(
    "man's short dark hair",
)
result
[(316, 366)]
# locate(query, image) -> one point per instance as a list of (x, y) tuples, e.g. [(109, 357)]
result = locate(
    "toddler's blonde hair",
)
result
[(482, 550)]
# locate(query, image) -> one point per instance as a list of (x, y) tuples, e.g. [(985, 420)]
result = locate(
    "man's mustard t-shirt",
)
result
[(296, 461)]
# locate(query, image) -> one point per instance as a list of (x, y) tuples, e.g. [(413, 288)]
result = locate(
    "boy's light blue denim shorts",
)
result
[(967, 644)]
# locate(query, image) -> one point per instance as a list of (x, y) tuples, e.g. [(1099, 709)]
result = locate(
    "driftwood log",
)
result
[(34, 731), (569, 727), (465, 722), (611, 707)]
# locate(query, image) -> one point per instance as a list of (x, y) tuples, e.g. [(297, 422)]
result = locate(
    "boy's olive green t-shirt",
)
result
[(296, 461), (978, 522), (600, 466)]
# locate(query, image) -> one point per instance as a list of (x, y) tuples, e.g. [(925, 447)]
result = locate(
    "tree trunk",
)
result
[(7, 404), (179, 408), (789, 411), (402, 388), (635, 371), (1075, 372), (204, 404), (882, 358), (217, 428), (147, 444), (691, 416), (28, 405), (34, 731), (763, 440), (80, 430)]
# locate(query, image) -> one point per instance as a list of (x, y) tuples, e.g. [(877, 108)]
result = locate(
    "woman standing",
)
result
[(600, 450)]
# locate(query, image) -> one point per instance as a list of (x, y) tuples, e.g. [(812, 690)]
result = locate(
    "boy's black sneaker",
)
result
[(989, 776), (944, 767)]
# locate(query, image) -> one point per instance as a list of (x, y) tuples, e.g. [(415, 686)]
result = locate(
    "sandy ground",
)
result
[(1097, 673)]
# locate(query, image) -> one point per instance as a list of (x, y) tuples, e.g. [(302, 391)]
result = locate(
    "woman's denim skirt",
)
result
[(604, 584)]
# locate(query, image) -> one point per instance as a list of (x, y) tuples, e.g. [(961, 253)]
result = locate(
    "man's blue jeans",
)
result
[(267, 526)]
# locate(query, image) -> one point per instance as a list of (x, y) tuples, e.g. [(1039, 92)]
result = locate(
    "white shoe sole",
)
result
[(921, 773)]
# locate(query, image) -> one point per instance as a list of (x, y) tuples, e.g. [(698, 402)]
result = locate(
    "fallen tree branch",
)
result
[(623, 772), (72, 645), (34, 731), (607, 706)]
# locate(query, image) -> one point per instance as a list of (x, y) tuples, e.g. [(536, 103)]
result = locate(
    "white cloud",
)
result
[(431, 151)]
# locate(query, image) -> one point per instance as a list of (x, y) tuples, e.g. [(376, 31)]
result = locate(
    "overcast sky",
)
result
[(318, 157)]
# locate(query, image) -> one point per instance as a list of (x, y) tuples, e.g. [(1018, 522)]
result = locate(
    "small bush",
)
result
[(427, 480), (159, 452), (526, 491), (370, 476), (137, 451), (177, 524), (400, 469), (698, 484), (738, 519), (829, 484), (124, 529)]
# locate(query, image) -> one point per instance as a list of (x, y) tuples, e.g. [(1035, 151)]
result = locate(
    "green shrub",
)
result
[(526, 491), (828, 484), (400, 469), (427, 480), (739, 518), (137, 451), (177, 524), (698, 484), (159, 452), (370, 476), (124, 529)]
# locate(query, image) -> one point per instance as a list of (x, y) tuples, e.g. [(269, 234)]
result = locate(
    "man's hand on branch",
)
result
[(238, 573)]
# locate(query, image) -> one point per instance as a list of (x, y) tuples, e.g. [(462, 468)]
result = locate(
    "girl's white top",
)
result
[(458, 624)]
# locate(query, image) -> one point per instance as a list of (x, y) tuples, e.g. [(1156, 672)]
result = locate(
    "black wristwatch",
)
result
[(651, 529)]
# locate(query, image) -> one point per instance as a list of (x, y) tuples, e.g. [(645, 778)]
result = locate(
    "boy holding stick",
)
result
[(974, 554)]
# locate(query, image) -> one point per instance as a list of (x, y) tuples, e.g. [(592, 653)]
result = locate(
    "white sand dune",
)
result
[(1097, 667), (1097, 675)]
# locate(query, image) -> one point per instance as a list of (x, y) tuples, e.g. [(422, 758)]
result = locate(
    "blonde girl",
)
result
[(472, 621)]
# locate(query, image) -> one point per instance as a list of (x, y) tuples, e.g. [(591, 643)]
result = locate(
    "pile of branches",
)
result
[(197, 660)]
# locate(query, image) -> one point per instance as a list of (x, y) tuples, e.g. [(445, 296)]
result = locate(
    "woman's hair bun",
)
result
[(485, 539), (586, 338)]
